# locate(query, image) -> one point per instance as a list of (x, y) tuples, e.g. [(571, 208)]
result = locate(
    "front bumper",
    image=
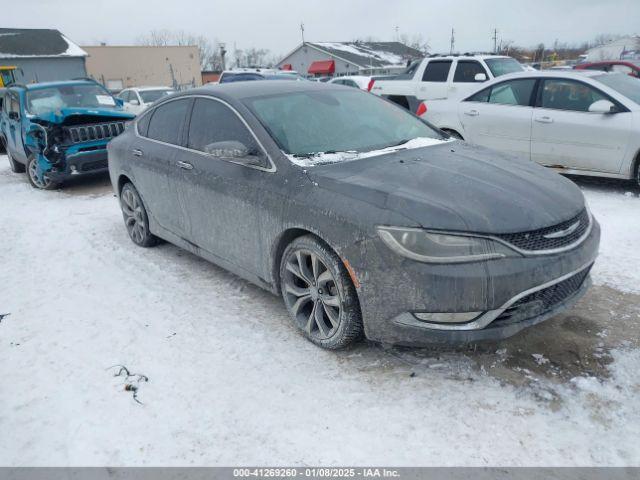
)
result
[(80, 162), (393, 289)]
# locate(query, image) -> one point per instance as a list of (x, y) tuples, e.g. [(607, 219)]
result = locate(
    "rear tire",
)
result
[(32, 168), (16, 167), (135, 217), (319, 295)]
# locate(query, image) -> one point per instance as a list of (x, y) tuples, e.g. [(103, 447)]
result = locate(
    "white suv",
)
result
[(138, 98), (443, 76)]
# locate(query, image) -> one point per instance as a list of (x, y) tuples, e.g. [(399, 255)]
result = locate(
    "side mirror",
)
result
[(480, 77), (603, 106), (14, 116), (134, 101), (234, 150)]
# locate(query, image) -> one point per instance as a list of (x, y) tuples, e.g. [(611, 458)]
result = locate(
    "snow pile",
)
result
[(337, 157), (618, 212)]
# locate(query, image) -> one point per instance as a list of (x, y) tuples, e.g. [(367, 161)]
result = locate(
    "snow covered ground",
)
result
[(231, 382)]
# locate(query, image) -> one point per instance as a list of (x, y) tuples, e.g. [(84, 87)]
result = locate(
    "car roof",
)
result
[(552, 73), (466, 55), (241, 90), (140, 89)]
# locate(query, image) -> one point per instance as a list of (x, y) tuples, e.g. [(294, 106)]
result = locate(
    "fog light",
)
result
[(460, 317)]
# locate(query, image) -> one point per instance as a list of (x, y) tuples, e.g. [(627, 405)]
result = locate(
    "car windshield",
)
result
[(316, 122), (49, 99), (503, 66), (150, 96), (622, 83)]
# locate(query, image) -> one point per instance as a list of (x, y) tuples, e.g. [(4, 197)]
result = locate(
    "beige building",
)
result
[(119, 67)]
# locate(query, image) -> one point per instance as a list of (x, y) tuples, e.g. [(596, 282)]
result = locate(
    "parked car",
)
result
[(443, 76), (136, 99), (582, 123), (363, 217), (357, 81), (58, 130), (630, 67)]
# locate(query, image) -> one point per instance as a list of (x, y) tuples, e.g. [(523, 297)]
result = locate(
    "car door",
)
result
[(564, 133), (434, 80), (500, 116), (464, 78), (14, 127), (220, 196), (155, 155)]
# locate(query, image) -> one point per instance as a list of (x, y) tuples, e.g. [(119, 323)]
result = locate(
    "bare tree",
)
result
[(164, 37)]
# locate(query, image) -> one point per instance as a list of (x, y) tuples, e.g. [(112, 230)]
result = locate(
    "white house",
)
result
[(625, 48), (349, 58)]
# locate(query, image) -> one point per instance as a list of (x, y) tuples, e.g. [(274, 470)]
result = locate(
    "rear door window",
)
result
[(436, 71), (167, 121), (466, 71), (513, 92)]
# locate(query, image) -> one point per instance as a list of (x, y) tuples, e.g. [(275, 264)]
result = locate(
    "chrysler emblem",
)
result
[(563, 233)]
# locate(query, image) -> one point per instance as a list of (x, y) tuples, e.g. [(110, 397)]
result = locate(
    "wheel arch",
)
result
[(281, 243), (122, 180)]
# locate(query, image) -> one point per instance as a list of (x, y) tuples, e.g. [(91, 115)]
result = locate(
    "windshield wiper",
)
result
[(401, 142)]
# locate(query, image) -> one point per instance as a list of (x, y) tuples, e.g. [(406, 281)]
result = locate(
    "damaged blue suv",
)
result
[(59, 130)]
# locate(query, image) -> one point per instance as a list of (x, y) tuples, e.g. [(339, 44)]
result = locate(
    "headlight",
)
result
[(433, 247)]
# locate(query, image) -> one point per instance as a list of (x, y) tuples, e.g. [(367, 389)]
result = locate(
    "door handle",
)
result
[(544, 119), (185, 165), (472, 113), (137, 152)]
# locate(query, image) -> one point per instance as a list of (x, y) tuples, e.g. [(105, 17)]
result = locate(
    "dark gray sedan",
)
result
[(366, 219)]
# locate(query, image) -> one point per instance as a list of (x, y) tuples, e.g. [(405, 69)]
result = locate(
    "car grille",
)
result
[(535, 240), (542, 301), (96, 131)]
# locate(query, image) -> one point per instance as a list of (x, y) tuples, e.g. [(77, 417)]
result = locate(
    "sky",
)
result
[(275, 24)]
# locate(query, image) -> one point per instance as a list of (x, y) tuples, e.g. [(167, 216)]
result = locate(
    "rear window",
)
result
[(436, 71)]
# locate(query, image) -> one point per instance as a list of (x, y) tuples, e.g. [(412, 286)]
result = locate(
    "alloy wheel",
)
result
[(133, 216), (312, 295), (45, 182)]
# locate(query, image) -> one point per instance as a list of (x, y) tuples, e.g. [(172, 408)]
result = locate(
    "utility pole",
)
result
[(453, 41), (302, 31), (223, 52), (495, 40), (397, 29)]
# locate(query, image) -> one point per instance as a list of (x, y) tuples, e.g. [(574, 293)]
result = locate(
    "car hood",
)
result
[(71, 115), (456, 186)]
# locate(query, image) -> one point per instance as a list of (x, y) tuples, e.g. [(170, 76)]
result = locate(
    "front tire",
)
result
[(32, 173), (16, 167), (319, 295), (135, 217)]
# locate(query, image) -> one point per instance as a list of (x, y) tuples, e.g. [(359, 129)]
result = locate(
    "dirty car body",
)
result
[(444, 241), (64, 126)]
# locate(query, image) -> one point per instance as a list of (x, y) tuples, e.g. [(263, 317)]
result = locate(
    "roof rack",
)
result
[(465, 54)]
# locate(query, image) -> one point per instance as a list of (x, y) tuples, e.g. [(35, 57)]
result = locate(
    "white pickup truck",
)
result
[(443, 76)]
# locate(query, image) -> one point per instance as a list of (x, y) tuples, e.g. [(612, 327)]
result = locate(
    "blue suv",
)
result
[(59, 130)]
